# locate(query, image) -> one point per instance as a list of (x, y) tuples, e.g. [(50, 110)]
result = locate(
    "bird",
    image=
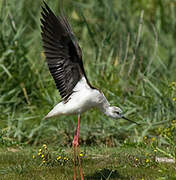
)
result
[(64, 58)]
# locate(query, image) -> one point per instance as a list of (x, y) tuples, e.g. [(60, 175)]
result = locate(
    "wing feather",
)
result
[(62, 52)]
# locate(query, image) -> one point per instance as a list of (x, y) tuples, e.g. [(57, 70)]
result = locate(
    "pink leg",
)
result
[(79, 159), (74, 162), (75, 143)]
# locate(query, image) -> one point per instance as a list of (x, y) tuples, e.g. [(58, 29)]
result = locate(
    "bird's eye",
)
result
[(117, 112)]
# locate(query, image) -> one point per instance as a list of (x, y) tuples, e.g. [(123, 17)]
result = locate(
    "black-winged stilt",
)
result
[(64, 59)]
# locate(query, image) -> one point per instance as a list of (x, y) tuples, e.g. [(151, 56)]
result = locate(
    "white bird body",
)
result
[(64, 58), (83, 98)]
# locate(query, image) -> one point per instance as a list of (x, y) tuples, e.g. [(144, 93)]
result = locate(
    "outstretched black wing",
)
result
[(62, 52)]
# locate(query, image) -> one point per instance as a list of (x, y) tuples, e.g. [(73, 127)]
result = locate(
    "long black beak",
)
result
[(130, 120)]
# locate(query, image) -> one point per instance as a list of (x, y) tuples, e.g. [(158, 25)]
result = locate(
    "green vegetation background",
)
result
[(129, 52)]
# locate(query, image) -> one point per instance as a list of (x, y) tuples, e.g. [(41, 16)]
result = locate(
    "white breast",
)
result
[(82, 99)]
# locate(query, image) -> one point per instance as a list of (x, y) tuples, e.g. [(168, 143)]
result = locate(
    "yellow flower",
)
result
[(45, 146), (65, 158), (145, 137), (147, 160), (137, 159), (44, 161), (155, 150), (59, 157), (81, 154), (39, 153), (42, 156), (40, 150), (33, 157)]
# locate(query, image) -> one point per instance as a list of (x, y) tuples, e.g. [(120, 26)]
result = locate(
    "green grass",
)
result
[(97, 163), (129, 52)]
